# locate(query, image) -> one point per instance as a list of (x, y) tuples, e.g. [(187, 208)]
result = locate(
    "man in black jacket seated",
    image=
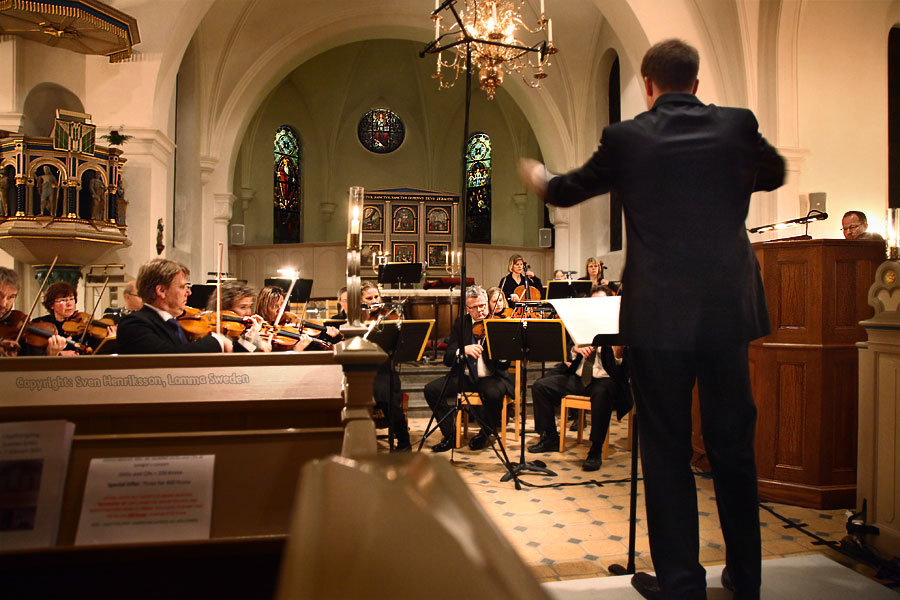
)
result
[(487, 377), (163, 286), (606, 383)]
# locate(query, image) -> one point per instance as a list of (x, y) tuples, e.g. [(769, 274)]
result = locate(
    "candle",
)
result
[(437, 27), (437, 3), (494, 11), (550, 30), (542, 8)]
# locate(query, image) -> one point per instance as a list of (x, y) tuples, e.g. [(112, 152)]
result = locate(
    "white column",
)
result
[(560, 219), (222, 217)]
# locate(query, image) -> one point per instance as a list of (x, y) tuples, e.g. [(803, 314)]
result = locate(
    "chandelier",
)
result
[(486, 34)]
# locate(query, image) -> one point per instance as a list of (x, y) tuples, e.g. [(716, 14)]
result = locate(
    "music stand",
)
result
[(200, 294), (301, 292), (542, 340), (567, 288), (400, 273), (403, 341)]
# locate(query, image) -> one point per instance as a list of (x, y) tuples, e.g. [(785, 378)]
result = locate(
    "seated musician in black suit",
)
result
[(487, 377), (163, 286), (606, 384)]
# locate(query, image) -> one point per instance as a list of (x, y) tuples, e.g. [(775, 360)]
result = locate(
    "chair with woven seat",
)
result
[(462, 415), (582, 404)]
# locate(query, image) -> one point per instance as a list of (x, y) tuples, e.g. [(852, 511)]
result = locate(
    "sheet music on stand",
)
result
[(586, 318), (505, 338), (404, 341)]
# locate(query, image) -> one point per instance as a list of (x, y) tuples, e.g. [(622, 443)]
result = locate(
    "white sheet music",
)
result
[(586, 317)]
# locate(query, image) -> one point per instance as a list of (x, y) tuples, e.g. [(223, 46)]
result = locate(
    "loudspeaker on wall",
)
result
[(236, 237), (545, 237)]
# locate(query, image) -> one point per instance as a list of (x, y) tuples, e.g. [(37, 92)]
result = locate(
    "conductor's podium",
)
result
[(261, 415), (804, 374)]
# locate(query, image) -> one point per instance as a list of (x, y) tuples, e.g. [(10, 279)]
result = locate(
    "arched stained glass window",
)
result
[(380, 131), (287, 186), (478, 189)]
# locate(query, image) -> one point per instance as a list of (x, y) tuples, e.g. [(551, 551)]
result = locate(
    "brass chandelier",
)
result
[(487, 34)]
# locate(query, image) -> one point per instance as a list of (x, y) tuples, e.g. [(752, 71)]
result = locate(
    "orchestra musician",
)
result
[(268, 305), (9, 291), (605, 382), (163, 286), (237, 297), (593, 270), (133, 300), (60, 300), (381, 390), (519, 275), (342, 304), (487, 377), (496, 302)]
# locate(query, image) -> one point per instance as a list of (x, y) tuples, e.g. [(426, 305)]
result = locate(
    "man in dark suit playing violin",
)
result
[(163, 286), (693, 300), (487, 377)]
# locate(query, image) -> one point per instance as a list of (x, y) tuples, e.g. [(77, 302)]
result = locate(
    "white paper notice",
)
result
[(586, 317), (147, 499)]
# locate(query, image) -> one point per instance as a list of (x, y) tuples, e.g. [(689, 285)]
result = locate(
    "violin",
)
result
[(77, 323), (198, 324), (285, 337), (34, 334)]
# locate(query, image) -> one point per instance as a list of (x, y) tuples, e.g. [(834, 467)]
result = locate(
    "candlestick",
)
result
[(550, 30), (542, 8)]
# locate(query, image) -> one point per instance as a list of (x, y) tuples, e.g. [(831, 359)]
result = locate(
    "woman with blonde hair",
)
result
[(519, 274)]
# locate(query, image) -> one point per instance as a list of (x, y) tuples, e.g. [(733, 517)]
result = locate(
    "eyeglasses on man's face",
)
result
[(850, 228)]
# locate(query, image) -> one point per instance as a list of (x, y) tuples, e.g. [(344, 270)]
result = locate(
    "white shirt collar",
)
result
[(165, 316)]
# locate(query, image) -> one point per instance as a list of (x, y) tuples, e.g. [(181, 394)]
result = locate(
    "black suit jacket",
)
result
[(618, 372), (685, 172), (145, 332), (497, 368)]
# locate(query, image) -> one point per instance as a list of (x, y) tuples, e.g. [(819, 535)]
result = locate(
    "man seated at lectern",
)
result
[(855, 226), (162, 285), (487, 377), (601, 375)]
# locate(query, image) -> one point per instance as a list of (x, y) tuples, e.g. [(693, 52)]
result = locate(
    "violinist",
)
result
[(9, 291), (381, 390), (60, 301), (268, 305), (487, 377), (162, 285), (497, 306), (342, 304), (237, 298), (520, 276), (133, 300)]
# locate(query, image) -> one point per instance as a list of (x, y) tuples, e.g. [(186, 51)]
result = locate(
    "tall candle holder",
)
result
[(453, 261), (893, 233), (356, 197)]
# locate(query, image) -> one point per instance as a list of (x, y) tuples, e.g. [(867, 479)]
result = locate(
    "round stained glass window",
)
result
[(380, 131)]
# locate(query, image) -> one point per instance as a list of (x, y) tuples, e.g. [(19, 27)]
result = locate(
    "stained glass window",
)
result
[(287, 199), (380, 131), (478, 189)]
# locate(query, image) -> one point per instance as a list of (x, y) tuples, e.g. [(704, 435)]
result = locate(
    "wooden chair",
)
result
[(582, 404), (462, 415)]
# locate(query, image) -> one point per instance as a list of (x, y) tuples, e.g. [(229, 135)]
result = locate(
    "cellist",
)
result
[(519, 275)]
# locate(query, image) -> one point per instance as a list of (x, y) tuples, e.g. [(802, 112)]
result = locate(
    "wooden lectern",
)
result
[(805, 372)]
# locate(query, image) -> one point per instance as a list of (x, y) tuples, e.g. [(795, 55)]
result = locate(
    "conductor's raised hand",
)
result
[(534, 175)]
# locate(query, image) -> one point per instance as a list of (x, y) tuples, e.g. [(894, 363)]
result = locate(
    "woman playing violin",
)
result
[(268, 305), (60, 300), (9, 290), (497, 305), (519, 275), (237, 298)]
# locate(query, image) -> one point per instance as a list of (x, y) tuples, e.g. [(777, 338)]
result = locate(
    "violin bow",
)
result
[(36, 298), (93, 312), (287, 298), (219, 290)]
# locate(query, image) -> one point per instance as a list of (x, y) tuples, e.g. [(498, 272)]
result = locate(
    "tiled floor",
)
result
[(572, 532)]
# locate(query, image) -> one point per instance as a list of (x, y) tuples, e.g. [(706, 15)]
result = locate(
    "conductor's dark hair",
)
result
[(672, 65), (859, 215)]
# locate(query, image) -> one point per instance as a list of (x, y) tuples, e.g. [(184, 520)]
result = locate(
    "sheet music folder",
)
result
[(546, 339), (587, 319), (404, 341)]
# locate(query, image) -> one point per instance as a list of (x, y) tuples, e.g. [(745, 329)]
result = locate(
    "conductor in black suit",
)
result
[(685, 171), (163, 286)]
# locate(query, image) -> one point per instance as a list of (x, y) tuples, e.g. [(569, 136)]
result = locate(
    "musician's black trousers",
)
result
[(381, 392), (490, 389), (663, 383), (548, 391)]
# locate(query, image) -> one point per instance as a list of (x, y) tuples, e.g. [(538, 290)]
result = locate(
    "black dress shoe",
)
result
[(727, 583), (404, 448), (445, 444), (479, 441), (547, 443), (646, 585), (592, 463)]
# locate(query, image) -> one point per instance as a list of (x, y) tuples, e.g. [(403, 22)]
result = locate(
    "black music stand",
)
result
[(400, 273), (541, 340), (200, 294), (403, 341), (301, 292), (567, 288)]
